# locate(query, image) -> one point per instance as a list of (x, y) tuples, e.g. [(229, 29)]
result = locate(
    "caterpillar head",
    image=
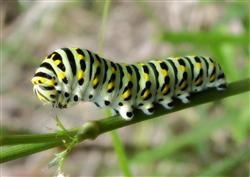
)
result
[(44, 86), (52, 83)]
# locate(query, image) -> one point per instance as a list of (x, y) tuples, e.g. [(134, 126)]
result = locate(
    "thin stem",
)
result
[(103, 26), (37, 138), (22, 150), (92, 129), (120, 152)]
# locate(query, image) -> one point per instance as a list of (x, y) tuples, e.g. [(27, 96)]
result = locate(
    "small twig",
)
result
[(91, 130)]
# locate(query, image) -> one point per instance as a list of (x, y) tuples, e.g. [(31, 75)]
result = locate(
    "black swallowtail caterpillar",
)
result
[(70, 75)]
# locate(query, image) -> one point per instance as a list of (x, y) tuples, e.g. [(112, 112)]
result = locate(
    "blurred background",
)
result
[(195, 142)]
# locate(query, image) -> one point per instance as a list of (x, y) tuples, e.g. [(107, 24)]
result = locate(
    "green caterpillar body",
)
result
[(70, 75)]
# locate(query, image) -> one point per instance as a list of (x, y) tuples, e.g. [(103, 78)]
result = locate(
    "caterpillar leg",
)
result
[(184, 97), (126, 111), (148, 108), (107, 100), (197, 89), (221, 87), (167, 103), (221, 82)]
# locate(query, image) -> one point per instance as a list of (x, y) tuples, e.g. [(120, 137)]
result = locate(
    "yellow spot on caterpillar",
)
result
[(183, 85), (51, 82), (41, 79), (212, 78), (80, 75), (95, 81), (166, 87), (113, 70), (182, 68), (146, 93), (129, 77), (110, 85), (198, 65), (198, 81), (164, 72), (61, 75), (146, 76), (79, 56), (126, 94), (57, 62)]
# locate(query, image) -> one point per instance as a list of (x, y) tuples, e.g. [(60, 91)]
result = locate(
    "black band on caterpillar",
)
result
[(70, 75)]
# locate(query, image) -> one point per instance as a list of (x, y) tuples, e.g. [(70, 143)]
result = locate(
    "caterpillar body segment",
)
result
[(70, 75)]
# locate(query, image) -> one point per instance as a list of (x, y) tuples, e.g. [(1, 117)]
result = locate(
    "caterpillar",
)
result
[(70, 75)]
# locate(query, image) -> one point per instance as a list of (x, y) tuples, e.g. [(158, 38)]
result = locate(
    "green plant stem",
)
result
[(103, 26), (92, 129), (120, 152), (22, 150), (36, 138), (203, 38)]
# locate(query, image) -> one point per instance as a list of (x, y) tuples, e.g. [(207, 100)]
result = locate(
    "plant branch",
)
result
[(30, 144)]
